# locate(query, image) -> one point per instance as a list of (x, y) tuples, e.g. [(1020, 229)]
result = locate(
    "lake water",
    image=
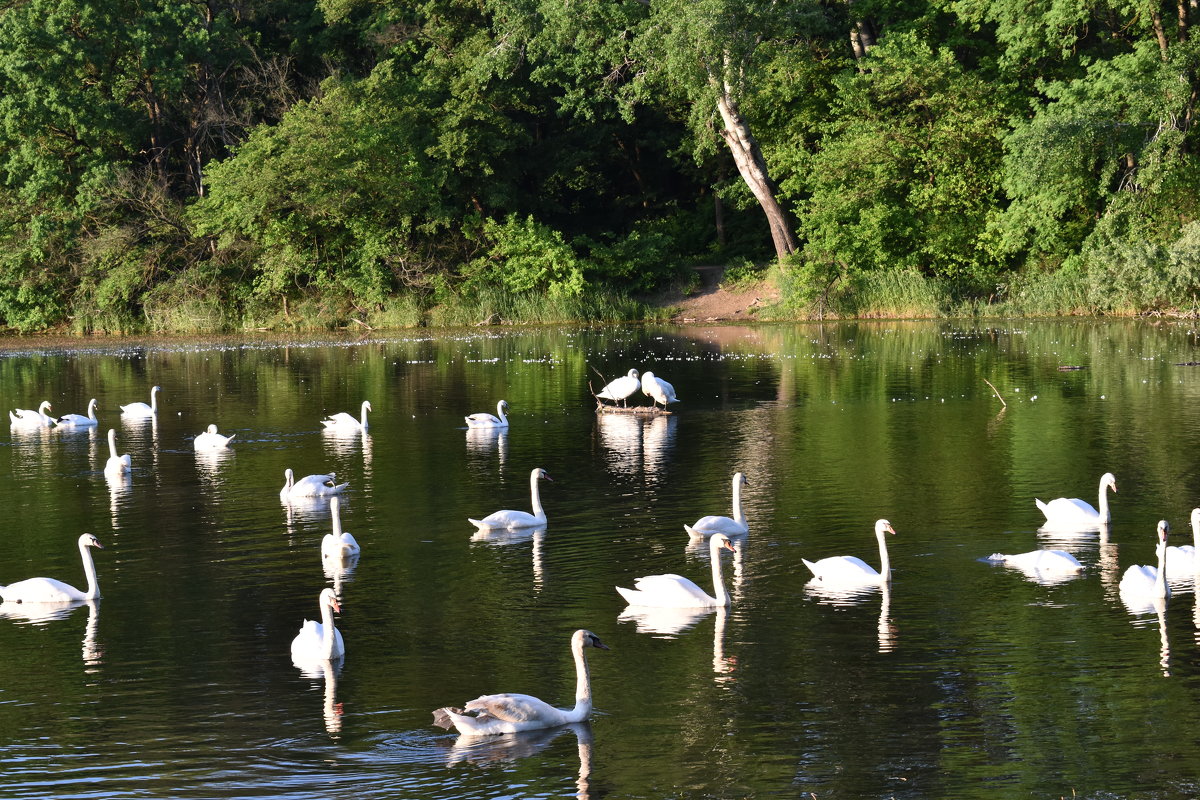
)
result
[(967, 680)]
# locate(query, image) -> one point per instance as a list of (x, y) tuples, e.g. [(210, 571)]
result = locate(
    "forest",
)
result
[(213, 165)]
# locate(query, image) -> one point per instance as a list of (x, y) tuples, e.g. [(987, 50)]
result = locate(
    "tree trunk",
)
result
[(749, 160)]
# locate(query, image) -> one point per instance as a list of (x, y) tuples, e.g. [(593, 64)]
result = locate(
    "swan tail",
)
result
[(692, 532), (478, 523), (1043, 507), (997, 558), (812, 567), (442, 717), (631, 596)]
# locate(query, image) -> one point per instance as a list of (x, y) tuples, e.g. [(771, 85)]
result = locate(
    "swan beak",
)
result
[(729, 546), (891, 530)]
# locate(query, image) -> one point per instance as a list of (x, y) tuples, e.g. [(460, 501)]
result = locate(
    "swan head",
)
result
[(367, 405), (538, 472), (720, 541), (503, 404), (44, 407), (155, 390), (588, 639), (883, 526), (212, 428), (329, 598), (740, 477), (633, 373), (1164, 530), (1108, 481), (88, 540), (1195, 518)]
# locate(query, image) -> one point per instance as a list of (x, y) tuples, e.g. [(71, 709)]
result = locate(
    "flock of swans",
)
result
[(318, 644)]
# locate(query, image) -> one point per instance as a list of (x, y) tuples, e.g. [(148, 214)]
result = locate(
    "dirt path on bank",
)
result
[(711, 303)]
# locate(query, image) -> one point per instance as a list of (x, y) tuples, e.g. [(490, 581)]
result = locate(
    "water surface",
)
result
[(965, 680)]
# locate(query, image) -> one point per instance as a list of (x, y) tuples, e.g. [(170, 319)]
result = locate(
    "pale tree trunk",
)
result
[(748, 158)]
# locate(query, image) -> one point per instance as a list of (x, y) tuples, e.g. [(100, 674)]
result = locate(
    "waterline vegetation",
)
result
[(180, 168)]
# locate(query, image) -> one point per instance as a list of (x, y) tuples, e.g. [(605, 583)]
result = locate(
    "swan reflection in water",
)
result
[(211, 463), (120, 492), (502, 538), (482, 441), (635, 445), (668, 623), (848, 596), (484, 751), (350, 443), (45, 613), (1147, 612)]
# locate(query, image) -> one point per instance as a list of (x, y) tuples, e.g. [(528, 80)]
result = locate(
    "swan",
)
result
[(853, 571), (1043, 561), (48, 590), (79, 420), (320, 641), (1181, 561), (116, 465), (338, 545), (24, 418), (676, 591), (621, 388), (737, 526), (211, 440), (510, 713), (1078, 515), (344, 422), (309, 485), (140, 409), (518, 519), (1141, 582), (485, 420), (658, 389)]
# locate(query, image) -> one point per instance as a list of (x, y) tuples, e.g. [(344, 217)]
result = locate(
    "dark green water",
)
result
[(970, 682)]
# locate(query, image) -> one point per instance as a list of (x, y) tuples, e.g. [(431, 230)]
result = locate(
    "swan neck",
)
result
[(89, 570), (112, 442), (1102, 505), (885, 564), (327, 630), (500, 412), (92, 410), (1161, 587), (718, 574), (738, 516), (363, 421), (536, 497), (583, 682), (153, 401), (1196, 534), (337, 522)]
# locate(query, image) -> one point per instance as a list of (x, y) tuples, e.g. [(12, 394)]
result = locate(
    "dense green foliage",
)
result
[(211, 165)]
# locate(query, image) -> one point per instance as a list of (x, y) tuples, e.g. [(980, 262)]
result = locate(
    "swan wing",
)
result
[(507, 519), (341, 419), (706, 526), (666, 591), (1069, 510), (514, 708), (484, 420), (40, 590), (843, 569), (1041, 561), (76, 420), (619, 389)]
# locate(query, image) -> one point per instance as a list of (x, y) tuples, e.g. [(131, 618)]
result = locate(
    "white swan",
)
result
[(319, 641), (658, 389), (25, 418), (116, 465), (211, 440), (79, 420), (1141, 582), (676, 591), (509, 520), (1181, 561), (309, 485), (338, 545), (485, 420), (620, 388), (1040, 561), (1073, 514), (511, 713), (344, 422), (49, 590), (706, 526), (141, 410), (853, 571)]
